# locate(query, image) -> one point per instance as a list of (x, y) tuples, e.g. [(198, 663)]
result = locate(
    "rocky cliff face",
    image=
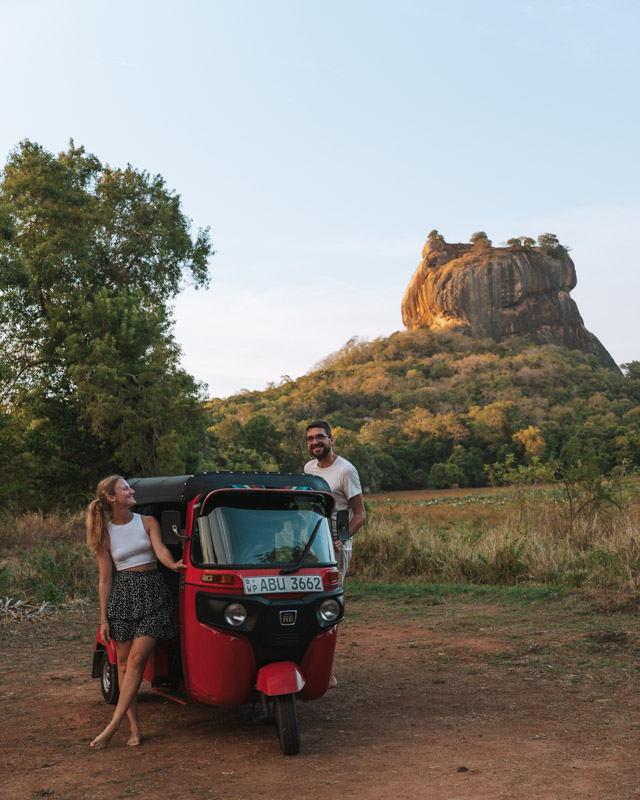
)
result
[(497, 292)]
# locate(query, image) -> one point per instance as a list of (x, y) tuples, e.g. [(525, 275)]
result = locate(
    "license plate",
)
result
[(280, 584)]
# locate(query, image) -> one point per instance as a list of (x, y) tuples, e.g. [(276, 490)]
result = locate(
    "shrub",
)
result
[(54, 572)]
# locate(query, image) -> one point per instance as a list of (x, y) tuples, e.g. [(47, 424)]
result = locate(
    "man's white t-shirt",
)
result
[(343, 481)]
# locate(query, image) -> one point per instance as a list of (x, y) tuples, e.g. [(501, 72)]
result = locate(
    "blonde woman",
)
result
[(135, 605)]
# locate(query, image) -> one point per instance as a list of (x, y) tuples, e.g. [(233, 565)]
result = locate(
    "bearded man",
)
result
[(344, 483)]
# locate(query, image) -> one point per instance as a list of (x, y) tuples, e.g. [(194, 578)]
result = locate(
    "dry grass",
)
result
[(491, 537), (44, 558), (32, 529), (517, 537)]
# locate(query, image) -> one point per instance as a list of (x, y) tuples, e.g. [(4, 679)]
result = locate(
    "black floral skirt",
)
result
[(140, 605)]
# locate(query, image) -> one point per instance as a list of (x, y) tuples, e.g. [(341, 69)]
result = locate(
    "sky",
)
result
[(322, 142)]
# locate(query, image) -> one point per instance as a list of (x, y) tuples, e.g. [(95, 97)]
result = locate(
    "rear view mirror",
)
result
[(342, 523)]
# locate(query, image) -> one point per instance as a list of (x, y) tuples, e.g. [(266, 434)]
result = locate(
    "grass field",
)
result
[(566, 536), (547, 536)]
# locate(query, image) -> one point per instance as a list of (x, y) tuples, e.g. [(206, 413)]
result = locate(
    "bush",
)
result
[(54, 573)]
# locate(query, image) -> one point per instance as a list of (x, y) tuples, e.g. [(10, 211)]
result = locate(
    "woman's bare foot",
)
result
[(333, 681), (101, 741), (135, 738)]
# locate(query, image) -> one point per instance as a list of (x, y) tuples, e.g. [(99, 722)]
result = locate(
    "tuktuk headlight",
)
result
[(235, 614), (329, 610)]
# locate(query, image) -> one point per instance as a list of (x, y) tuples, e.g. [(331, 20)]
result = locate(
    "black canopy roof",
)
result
[(181, 488)]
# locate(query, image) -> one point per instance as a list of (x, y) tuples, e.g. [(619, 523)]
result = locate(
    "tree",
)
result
[(90, 258), (260, 434), (531, 440), (419, 400), (521, 242), (550, 245), (480, 241), (631, 372)]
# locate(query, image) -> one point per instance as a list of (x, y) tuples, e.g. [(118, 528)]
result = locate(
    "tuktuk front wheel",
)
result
[(287, 724), (109, 680)]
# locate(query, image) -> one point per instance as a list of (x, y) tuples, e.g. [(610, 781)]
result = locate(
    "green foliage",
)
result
[(54, 572), (550, 245), (480, 240), (462, 468), (260, 434), (5, 579), (586, 490), (90, 382), (429, 409), (547, 242), (510, 473), (48, 560), (521, 242)]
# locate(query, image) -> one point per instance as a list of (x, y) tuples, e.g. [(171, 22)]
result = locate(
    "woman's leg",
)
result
[(138, 653), (122, 651)]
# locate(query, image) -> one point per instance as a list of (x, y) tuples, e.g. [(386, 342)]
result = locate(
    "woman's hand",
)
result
[(161, 550), (105, 633)]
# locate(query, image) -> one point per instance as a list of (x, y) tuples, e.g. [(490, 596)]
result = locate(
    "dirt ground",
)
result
[(446, 702)]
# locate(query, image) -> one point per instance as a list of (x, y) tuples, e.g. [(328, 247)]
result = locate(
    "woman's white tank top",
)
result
[(130, 544)]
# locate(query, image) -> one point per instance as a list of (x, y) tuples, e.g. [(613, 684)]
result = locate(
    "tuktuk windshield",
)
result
[(262, 529)]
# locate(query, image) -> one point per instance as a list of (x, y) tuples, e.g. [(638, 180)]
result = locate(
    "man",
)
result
[(344, 483)]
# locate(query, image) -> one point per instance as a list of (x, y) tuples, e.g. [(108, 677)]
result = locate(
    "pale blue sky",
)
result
[(322, 142)]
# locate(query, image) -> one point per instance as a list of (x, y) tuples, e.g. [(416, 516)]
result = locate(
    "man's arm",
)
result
[(356, 506)]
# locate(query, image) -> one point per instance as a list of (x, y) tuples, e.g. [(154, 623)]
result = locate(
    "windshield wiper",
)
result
[(296, 567)]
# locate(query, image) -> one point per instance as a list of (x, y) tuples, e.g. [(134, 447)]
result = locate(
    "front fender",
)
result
[(98, 650), (283, 677)]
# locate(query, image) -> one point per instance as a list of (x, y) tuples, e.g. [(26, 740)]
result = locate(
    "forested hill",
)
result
[(429, 409)]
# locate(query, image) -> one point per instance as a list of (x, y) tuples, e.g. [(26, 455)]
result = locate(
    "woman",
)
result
[(135, 606)]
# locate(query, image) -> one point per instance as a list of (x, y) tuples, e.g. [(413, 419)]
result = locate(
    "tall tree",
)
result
[(90, 259)]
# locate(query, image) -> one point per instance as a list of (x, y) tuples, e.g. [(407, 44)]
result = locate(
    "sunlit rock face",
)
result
[(498, 292)]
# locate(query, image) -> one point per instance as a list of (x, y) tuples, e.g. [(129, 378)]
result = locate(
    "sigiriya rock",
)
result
[(499, 292)]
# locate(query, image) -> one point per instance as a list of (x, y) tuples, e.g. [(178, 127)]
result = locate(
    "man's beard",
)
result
[(320, 454)]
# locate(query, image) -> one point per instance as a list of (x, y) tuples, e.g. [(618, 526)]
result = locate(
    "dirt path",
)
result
[(428, 706)]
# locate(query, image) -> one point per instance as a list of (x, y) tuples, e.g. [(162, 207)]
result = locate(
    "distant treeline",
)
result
[(424, 409)]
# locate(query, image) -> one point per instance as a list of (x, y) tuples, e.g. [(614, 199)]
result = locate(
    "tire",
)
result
[(109, 680), (287, 724)]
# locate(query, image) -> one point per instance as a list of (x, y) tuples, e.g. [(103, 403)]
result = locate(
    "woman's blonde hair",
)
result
[(99, 513)]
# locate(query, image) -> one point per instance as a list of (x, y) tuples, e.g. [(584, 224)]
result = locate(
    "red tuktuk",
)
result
[(259, 603)]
